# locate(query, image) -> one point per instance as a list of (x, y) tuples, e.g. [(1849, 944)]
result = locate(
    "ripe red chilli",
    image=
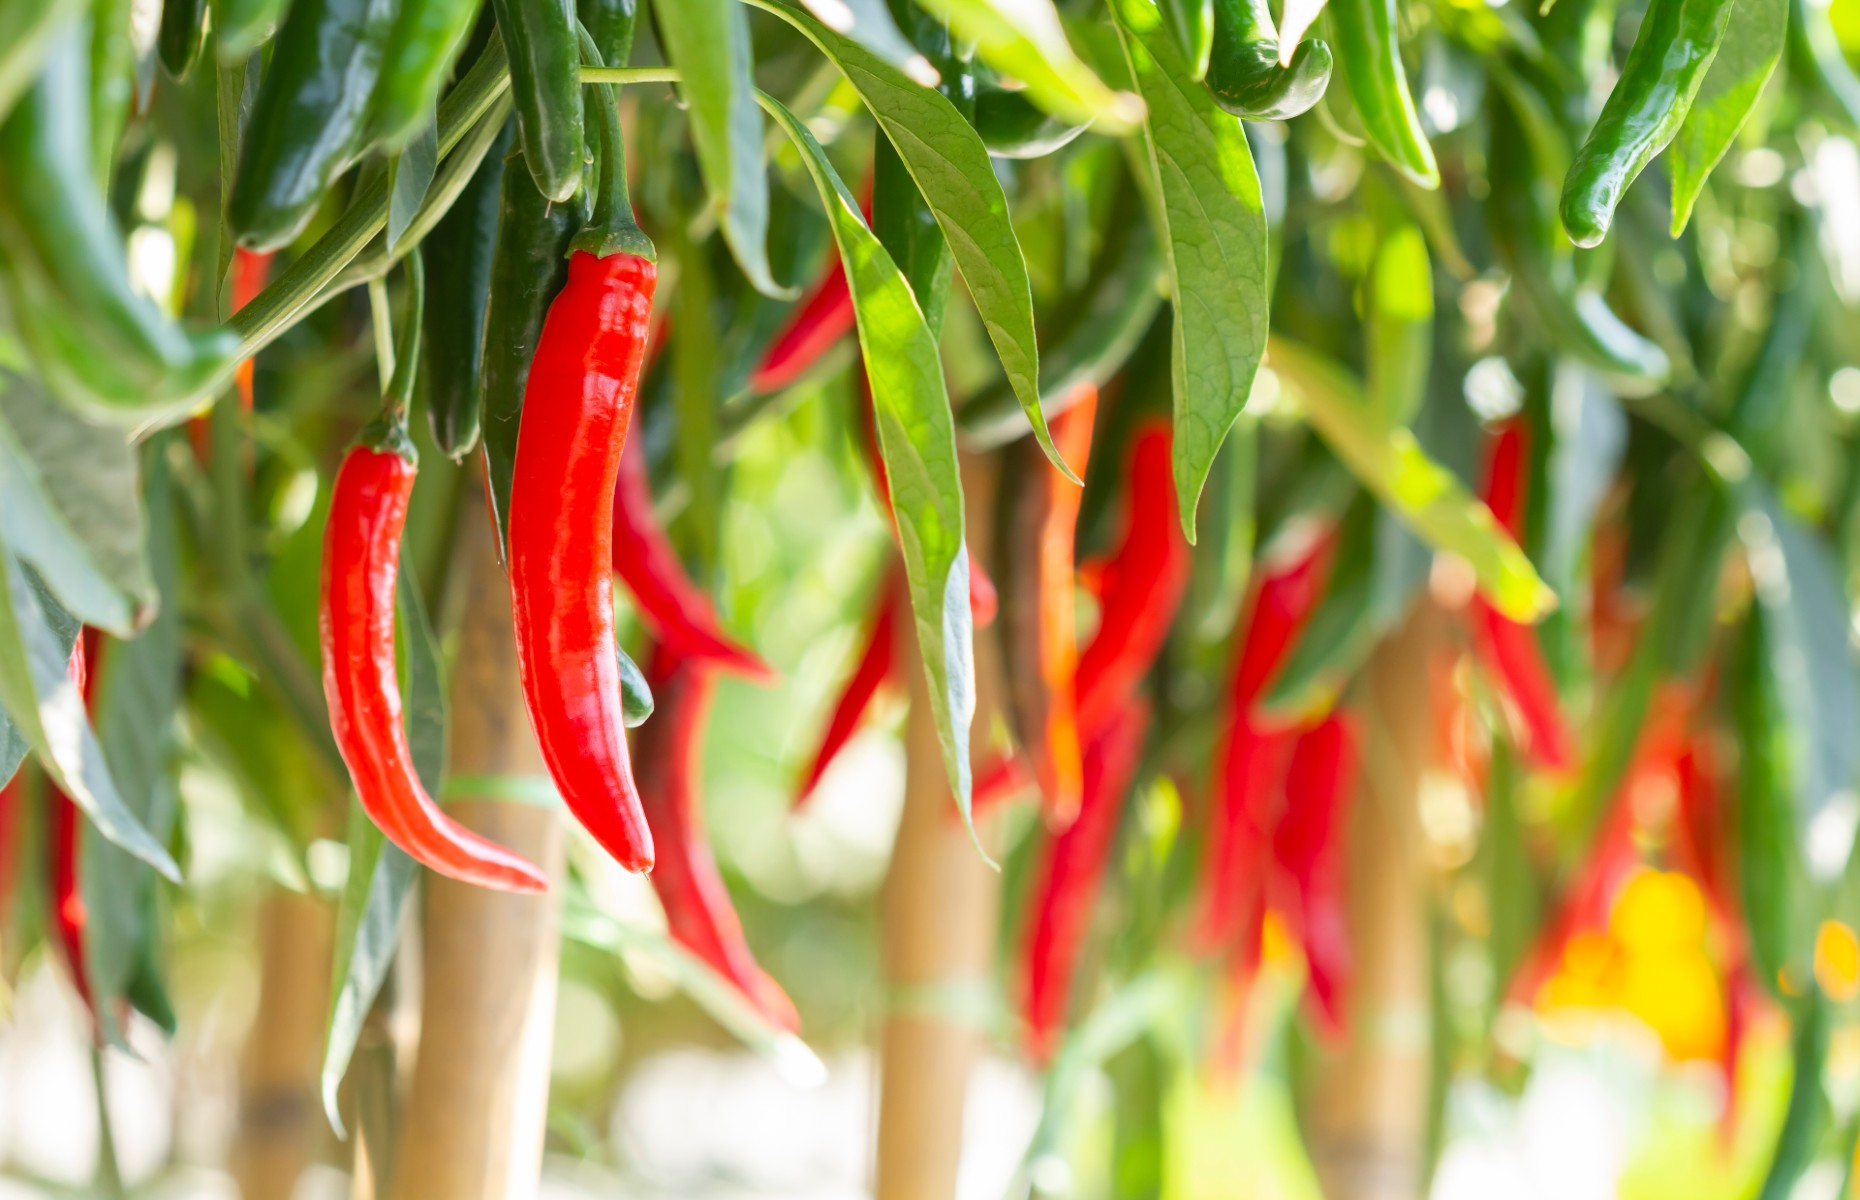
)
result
[(876, 661), (818, 323), (1309, 854), (576, 409)]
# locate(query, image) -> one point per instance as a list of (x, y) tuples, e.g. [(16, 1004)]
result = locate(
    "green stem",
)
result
[(630, 75)]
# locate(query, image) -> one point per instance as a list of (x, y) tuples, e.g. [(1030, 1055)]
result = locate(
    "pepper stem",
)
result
[(388, 431), (612, 229)]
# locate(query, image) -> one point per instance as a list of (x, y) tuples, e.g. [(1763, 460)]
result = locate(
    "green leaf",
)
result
[(1215, 231), (1191, 24), (1752, 46), (374, 900), (1806, 619), (138, 693), (917, 440), (1589, 437), (1024, 39), (697, 363), (35, 648), (950, 166), (70, 506), (1401, 323), (869, 23), (1770, 874), (1389, 462), (1296, 20), (708, 41), (410, 176)]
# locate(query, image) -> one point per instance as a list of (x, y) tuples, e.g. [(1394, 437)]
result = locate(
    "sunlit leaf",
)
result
[(1024, 39), (1752, 46)]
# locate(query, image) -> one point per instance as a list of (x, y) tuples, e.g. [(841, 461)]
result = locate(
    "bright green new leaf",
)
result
[(917, 440), (1752, 46), (708, 41), (951, 168), (1024, 39), (1215, 231), (1389, 462)]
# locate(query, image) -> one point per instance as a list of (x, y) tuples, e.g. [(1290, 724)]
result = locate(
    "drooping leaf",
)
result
[(1390, 462), (708, 41), (70, 506), (36, 637), (950, 166), (1753, 45), (410, 177), (1025, 39), (374, 900), (917, 439), (1215, 232), (138, 692)]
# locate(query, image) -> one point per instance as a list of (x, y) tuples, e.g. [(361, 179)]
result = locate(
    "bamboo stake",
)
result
[(475, 1113), (938, 924), (280, 1116), (1367, 1121)]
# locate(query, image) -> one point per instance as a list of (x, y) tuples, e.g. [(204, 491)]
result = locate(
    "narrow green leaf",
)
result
[(374, 900), (1401, 324), (917, 439), (697, 363), (35, 648), (1388, 461), (410, 176), (137, 695), (950, 166), (869, 23), (708, 41), (1215, 231), (1770, 875), (1024, 39), (1753, 45), (70, 505)]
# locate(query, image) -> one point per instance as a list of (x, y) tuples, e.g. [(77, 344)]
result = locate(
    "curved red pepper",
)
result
[(678, 610), (696, 903), (576, 408), (1066, 889), (874, 667), (1510, 650), (816, 325), (69, 919), (1143, 586), (1308, 851), (355, 618)]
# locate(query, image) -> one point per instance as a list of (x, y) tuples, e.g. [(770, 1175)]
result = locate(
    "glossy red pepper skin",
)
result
[(697, 905), (1309, 851), (577, 405), (355, 619), (877, 660), (817, 324), (1066, 890), (1142, 587), (1509, 650), (678, 610)]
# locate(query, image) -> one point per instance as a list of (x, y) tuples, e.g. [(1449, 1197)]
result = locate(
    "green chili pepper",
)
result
[(420, 53), (461, 246), (310, 116), (1575, 319), (1012, 126), (102, 347), (1369, 54), (183, 29), (1770, 873), (26, 30), (611, 24), (112, 83), (545, 83), (528, 267), (242, 26), (1244, 72), (1677, 41)]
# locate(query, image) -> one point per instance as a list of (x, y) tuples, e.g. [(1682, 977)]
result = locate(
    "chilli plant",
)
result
[(1355, 497)]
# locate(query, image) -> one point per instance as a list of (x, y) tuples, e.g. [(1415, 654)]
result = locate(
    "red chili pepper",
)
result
[(876, 661), (696, 903), (250, 270), (69, 919), (1308, 852), (678, 610), (815, 326), (1042, 526), (1143, 587), (1000, 779), (12, 804), (1066, 889), (361, 560), (1510, 650), (576, 408)]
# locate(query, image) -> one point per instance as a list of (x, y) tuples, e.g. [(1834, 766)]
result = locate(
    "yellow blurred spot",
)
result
[(1659, 910), (1837, 961), (1278, 949)]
